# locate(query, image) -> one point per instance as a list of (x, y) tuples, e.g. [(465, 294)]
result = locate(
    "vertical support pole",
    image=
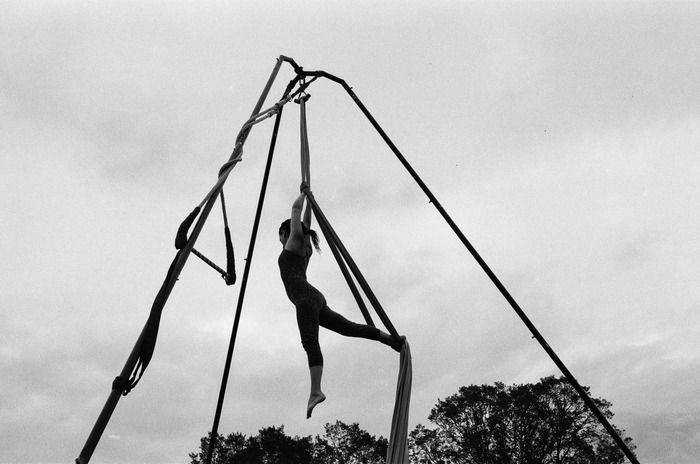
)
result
[(241, 294)]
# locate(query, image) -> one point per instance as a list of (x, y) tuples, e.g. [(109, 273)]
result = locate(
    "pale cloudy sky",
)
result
[(562, 137)]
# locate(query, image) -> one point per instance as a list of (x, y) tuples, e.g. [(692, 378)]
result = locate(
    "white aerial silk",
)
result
[(397, 453)]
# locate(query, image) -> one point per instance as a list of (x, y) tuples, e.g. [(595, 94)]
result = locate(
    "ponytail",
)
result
[(314, 236), (286, 228)]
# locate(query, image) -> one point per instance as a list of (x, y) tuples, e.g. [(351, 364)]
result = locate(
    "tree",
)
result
[(542, 423), (341, 444), (349, 444), (271, 446)]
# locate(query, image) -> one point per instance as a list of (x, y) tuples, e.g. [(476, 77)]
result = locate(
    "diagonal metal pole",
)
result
[(249, 258), (514, 304), (179, 262)]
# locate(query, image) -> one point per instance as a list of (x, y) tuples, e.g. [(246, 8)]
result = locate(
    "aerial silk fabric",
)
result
[(397, 453)]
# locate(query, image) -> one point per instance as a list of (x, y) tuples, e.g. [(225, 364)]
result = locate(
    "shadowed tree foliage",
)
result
[(340, 444), (344, 443), (270, 446), (542, 423)]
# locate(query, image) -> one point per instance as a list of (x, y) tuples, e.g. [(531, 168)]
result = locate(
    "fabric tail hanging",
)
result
[(397, 452), (230, 275)]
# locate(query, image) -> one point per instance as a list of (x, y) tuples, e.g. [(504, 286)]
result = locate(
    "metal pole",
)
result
[(181, 259), (516, 307), (241, 293), (110, 405)]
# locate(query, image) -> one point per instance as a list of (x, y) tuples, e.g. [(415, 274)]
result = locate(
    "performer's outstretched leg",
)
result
[(331, 320)]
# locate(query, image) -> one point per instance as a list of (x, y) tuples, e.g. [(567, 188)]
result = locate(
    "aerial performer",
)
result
[(297, 239)]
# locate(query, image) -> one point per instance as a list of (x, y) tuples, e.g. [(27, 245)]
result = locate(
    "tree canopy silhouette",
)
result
[(340, 444), (541, 423)]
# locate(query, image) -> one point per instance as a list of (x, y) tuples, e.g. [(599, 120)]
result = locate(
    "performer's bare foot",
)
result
[(314, 399)]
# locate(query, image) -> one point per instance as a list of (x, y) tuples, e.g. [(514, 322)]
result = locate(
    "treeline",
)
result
[(340, 443), (542, 423)]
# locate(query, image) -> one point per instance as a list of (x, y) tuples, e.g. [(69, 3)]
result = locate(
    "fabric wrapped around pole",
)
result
[(305, 155), (397, 452)]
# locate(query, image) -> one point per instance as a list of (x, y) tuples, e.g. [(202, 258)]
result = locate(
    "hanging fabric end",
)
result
[(397, 451), (181, 237), (230, 276)]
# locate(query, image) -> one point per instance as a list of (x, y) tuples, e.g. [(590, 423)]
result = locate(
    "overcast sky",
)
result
[(562, 137)]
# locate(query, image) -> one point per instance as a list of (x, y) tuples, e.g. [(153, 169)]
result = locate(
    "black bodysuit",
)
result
[(312, 310), (293, 273)]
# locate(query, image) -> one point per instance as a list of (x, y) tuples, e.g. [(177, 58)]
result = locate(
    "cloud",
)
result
[(560, 139)]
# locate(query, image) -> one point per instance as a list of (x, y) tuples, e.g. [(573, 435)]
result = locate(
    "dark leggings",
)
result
[(311, 314)]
